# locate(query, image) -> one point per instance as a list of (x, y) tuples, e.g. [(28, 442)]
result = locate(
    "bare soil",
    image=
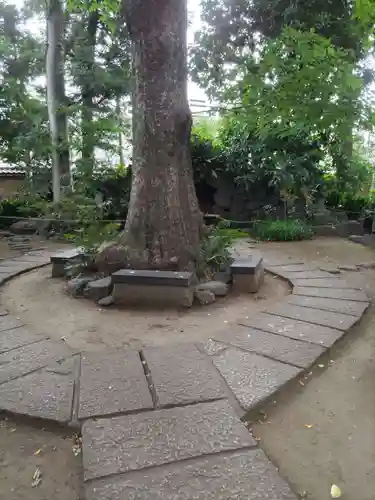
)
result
[(24, 449), (85, 326)]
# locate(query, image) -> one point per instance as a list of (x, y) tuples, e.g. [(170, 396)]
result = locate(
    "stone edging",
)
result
[(189, 395)]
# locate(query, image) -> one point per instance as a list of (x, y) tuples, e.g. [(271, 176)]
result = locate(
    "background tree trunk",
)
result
[(56, 99), (88, 93), (164, 223)]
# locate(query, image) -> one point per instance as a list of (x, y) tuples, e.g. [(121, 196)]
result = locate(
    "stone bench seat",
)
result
[(60, 259), (167, 288), (248, 274)]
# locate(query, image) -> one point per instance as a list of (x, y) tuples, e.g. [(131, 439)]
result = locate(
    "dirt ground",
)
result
[(24, 449), (86, 326), (317, 435)]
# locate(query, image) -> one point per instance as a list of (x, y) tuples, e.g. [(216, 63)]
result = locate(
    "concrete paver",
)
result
[(18, 337), (181, 374), (120, 444), (29, 358), (332, 293), (294, 329), (112, 383), (309, 315), (251, 377), (295, 352), (240, 475), (333, 305)]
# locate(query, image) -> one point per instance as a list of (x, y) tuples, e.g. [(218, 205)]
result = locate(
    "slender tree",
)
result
[(56, 98)]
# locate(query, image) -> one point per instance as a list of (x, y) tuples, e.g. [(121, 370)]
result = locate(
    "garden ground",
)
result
[(318, 435)]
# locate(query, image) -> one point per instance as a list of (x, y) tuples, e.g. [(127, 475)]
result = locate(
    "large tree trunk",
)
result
[(56, 99), (164, 224)]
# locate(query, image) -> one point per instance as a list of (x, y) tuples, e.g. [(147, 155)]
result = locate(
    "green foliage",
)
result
[(282, 230), (214, 252)]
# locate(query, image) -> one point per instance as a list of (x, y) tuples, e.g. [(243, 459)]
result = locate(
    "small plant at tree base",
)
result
[(214, 252), (282, 230)]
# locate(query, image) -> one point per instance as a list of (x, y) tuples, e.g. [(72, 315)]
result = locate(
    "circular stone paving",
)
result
[(164, 422)]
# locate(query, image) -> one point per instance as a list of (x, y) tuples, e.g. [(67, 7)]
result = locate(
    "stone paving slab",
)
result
[(29, 358), (294, 329), (277, 260), (310, 275), (332, 293), (43, 395), (332, 282), (240, 475), (38, 259), (334, 305), (252, 378), (287, 350), (181, 374), (309, 315), (112, 383), (125, 443), (18, 337), (291, 268), (9, 322)]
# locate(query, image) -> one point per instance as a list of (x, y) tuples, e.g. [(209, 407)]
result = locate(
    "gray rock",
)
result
[(24, 227), (98, 289), (367, 265), (106, 301), (204, 297), (148, 439), (252, 378), (181, 374), (347, 267), (223, 276), (76, 286), (218, 288), (241, 475), (330, 269)]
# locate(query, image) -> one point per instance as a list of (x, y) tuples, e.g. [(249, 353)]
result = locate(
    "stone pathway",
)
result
[(165, 423)]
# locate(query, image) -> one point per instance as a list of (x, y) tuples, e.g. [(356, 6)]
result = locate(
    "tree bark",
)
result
[(164, 225), (56, 98)]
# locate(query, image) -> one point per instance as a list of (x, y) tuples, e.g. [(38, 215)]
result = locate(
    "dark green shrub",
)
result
[(282, 230)]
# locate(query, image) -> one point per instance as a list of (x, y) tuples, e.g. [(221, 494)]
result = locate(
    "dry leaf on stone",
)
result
[(308, 426), (38, 451), (37, 477)]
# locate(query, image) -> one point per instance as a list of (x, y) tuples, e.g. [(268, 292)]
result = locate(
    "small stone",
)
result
[(218, 288), (204, 297), (330, 269), (106, 301), (98, 289), (348, 268), (24, 227), (367, 265), (76, 286)]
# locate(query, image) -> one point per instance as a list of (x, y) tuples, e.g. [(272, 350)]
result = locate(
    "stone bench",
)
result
[(59, 261), (156, 288), (247, 274)]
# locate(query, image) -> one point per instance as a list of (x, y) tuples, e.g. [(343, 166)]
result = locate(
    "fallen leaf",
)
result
[(335, 491), (13, 430), (309, 426), (76, 450), (37, 477), (321, 366), (301, 383), (38, 451)]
